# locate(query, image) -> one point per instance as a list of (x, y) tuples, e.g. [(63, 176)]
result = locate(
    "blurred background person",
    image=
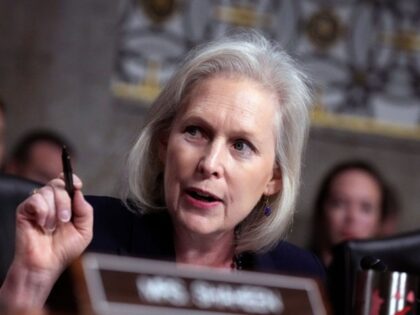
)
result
[(37, 156), (354, 202)]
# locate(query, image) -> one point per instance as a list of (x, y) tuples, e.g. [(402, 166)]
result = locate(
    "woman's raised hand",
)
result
[(51, 231)]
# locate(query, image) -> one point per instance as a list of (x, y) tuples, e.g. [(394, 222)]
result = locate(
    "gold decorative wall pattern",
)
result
[(151, 41), (364, 56)]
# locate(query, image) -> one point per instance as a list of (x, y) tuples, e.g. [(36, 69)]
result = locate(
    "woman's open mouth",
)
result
[(200, 198)]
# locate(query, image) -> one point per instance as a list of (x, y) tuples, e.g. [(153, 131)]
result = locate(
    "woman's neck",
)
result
[(213, 251)]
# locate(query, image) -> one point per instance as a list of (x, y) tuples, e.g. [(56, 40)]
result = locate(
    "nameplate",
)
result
[(128, 286)]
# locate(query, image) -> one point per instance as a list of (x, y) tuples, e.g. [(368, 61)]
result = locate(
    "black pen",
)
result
[(68, 172)]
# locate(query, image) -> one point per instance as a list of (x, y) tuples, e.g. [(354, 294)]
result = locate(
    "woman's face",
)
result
[(219, 157), (353, 207)]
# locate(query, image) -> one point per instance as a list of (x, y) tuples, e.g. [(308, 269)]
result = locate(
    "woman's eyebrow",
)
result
[(197, 119)]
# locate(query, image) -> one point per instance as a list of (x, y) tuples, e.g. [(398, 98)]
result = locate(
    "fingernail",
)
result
[(64, 215)]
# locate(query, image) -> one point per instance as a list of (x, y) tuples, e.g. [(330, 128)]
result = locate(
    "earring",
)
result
[(267, 208)]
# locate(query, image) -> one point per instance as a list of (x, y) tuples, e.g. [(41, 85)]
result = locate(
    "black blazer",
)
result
[(117, 230)]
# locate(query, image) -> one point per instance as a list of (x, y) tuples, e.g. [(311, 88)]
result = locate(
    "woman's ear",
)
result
[(275, 184)]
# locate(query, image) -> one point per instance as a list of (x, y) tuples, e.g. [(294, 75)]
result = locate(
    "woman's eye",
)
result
[(367, 208), (194, 133), (192, 130), (336, 203), (242, 146)]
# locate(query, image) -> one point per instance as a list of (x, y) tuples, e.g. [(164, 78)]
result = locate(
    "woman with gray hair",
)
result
[(212, 179)]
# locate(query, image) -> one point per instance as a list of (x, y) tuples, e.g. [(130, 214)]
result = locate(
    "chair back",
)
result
[(399, 253)]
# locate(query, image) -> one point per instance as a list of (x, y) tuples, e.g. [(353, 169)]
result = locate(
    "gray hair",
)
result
[(252, 56)]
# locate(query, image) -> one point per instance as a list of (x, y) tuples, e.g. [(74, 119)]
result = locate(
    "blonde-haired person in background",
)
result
[(213, 177)]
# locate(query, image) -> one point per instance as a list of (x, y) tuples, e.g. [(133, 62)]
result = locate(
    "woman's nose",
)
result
[(212, 161), (351, 213)]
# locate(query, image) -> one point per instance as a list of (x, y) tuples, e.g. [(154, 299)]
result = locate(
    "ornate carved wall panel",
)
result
[(363, 56)]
